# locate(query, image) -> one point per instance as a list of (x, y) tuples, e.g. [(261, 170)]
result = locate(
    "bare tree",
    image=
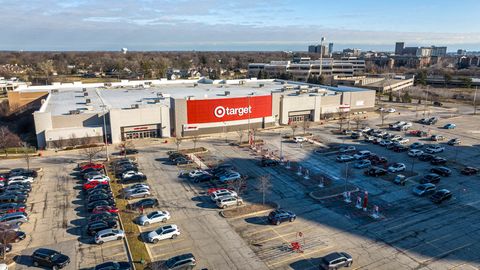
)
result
[(26, 154), (383, 116), (306, 125), (8, 139), (91, 153), (327, 115), (57, 144), (178, 142), (265, 185), (123, 146), (294, 127), (240, 134), (73, 141), (238, 185), (7, 235), (359, 121), (342, 118)]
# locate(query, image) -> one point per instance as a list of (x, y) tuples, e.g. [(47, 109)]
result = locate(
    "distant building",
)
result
[(352, 52), (439, 51), (399, 48), (461, 52), (319, 49), (330, 49)]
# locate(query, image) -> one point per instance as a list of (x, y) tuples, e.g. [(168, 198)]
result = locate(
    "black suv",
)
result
[(143, 203), (336, 260), (375, 172), (267, 162), (97, 226), (441, 195), (50, 258), (430, 178), (426, 157), (278, 216), (181, 261), (443, 171), (438, 161)]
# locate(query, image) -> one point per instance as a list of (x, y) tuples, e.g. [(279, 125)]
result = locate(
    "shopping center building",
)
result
[(128, 110)]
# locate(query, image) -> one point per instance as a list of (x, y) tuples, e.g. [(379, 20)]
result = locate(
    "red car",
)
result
[(92, 184), (92, 165), (7, 208), (2, 179), (104, 209), (211, 190)]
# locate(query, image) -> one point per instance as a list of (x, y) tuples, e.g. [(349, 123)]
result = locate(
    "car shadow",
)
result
[(75, 231), (23, 260), (306, 263), (260, 220), (207, 205)]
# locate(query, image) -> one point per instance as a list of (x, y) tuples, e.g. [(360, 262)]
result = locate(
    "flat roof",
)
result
[(62, 101)]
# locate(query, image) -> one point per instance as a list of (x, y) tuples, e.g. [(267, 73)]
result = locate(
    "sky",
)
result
[(254, 25)]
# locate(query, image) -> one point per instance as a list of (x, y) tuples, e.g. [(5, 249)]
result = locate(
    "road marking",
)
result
[(267, 229), (273, 238), (300, 255), (170, 253), (167, 242), (251, 214)]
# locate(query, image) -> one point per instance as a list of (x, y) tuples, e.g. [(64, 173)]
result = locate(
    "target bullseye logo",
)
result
[(219, 111)]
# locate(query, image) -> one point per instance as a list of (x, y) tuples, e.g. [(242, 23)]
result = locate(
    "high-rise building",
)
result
[(319, 48), (439, 51), (330, 48), (461, 52), (399, 48)]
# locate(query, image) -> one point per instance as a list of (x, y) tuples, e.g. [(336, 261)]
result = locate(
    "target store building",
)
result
[(130, 110)]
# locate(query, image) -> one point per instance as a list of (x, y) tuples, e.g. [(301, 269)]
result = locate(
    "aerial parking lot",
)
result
[(387, 196)]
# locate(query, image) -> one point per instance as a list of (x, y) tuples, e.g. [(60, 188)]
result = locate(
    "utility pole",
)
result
[(281, 147), (104, 109), (475, 101)]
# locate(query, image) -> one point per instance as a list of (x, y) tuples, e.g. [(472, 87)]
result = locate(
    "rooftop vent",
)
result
[(74, 112), (227, 93), (134, 106), (84, 89), (88, 101), (54, 90), (261, 85), (85, 94), (195, 84)]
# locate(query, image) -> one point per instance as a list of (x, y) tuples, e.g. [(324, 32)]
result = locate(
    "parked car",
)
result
[(375, 171), (355, 135), (369, 138), (361, 164), (379, 161), (49, 258), (91, 165), (182, 161), (438, 161), (19, 236), (6, 208), (268, 162), (144, 203), (454, 141), (17, 218), (101, 216), (430, 178), (99, 191), (431, 149), (400, 148), (437, 103), (184, 261), (20, 179), (138, 193), (345, 158), (415, 153), (469, 171), (424, 189), (400, 179), (436, 138), (133, 176), (443, 171), (416, 145), (22, 172), (128, 152), (153, 217), (97, 226), (104, 209), (92, 205), (196, 173), (362, 154), (232, 176), (397, 167), (222, 193), (108, 235), (280, 215), (299, 139), (431, 121), (385, 142), (12, 198), (336, 260), (135, 186), (113, 266), (441, 196), (99, 197), (165, 232), (426, 157), (203, 178), (403, 141), (450, 126), (228, 201)]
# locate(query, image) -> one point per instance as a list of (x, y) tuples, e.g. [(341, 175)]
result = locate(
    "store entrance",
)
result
[(140, 132)]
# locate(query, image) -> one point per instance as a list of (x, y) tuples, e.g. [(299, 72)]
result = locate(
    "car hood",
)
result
[(142, 218), (152, 234), (62, 259)]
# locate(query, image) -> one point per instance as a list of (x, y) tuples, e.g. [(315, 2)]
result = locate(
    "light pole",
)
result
[(346, 175), (321, 55), (104, 110), (475, 101), (281, 147)]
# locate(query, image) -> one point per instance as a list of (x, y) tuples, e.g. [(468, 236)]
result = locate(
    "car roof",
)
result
[(333, 256), (443, 190), (45, 251), (105, 231)]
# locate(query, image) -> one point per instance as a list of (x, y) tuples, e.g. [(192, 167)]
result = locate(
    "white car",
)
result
[(406, 126), (403, 141), (346, 149), (362, 154), (153, 217), (162, 233), (365, 129), (345, 158), (20, 179), (231, 176), (434, 149), (129, 174), (99, 178), (135, 186), (397, 167), (196, 173), (396, 138), (109, 235), (299, 139), (229, 201), (391, 110), (138, 193), (397, 124), (222, 193), (415, 152)]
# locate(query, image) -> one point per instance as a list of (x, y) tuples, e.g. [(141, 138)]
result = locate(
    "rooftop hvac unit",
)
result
[(195, 84), (54, 91), (85, 94), (84, 89), (135, 106), (227, 93), (159, 94), (261, 85), (74, 111), (88, 101), (241, 82)]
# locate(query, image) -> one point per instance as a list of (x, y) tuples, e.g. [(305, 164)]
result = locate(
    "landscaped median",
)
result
[(138, 250), (249, 209)]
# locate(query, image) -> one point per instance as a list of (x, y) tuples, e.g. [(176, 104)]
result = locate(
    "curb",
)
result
[(330, 196), (275, 206)]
